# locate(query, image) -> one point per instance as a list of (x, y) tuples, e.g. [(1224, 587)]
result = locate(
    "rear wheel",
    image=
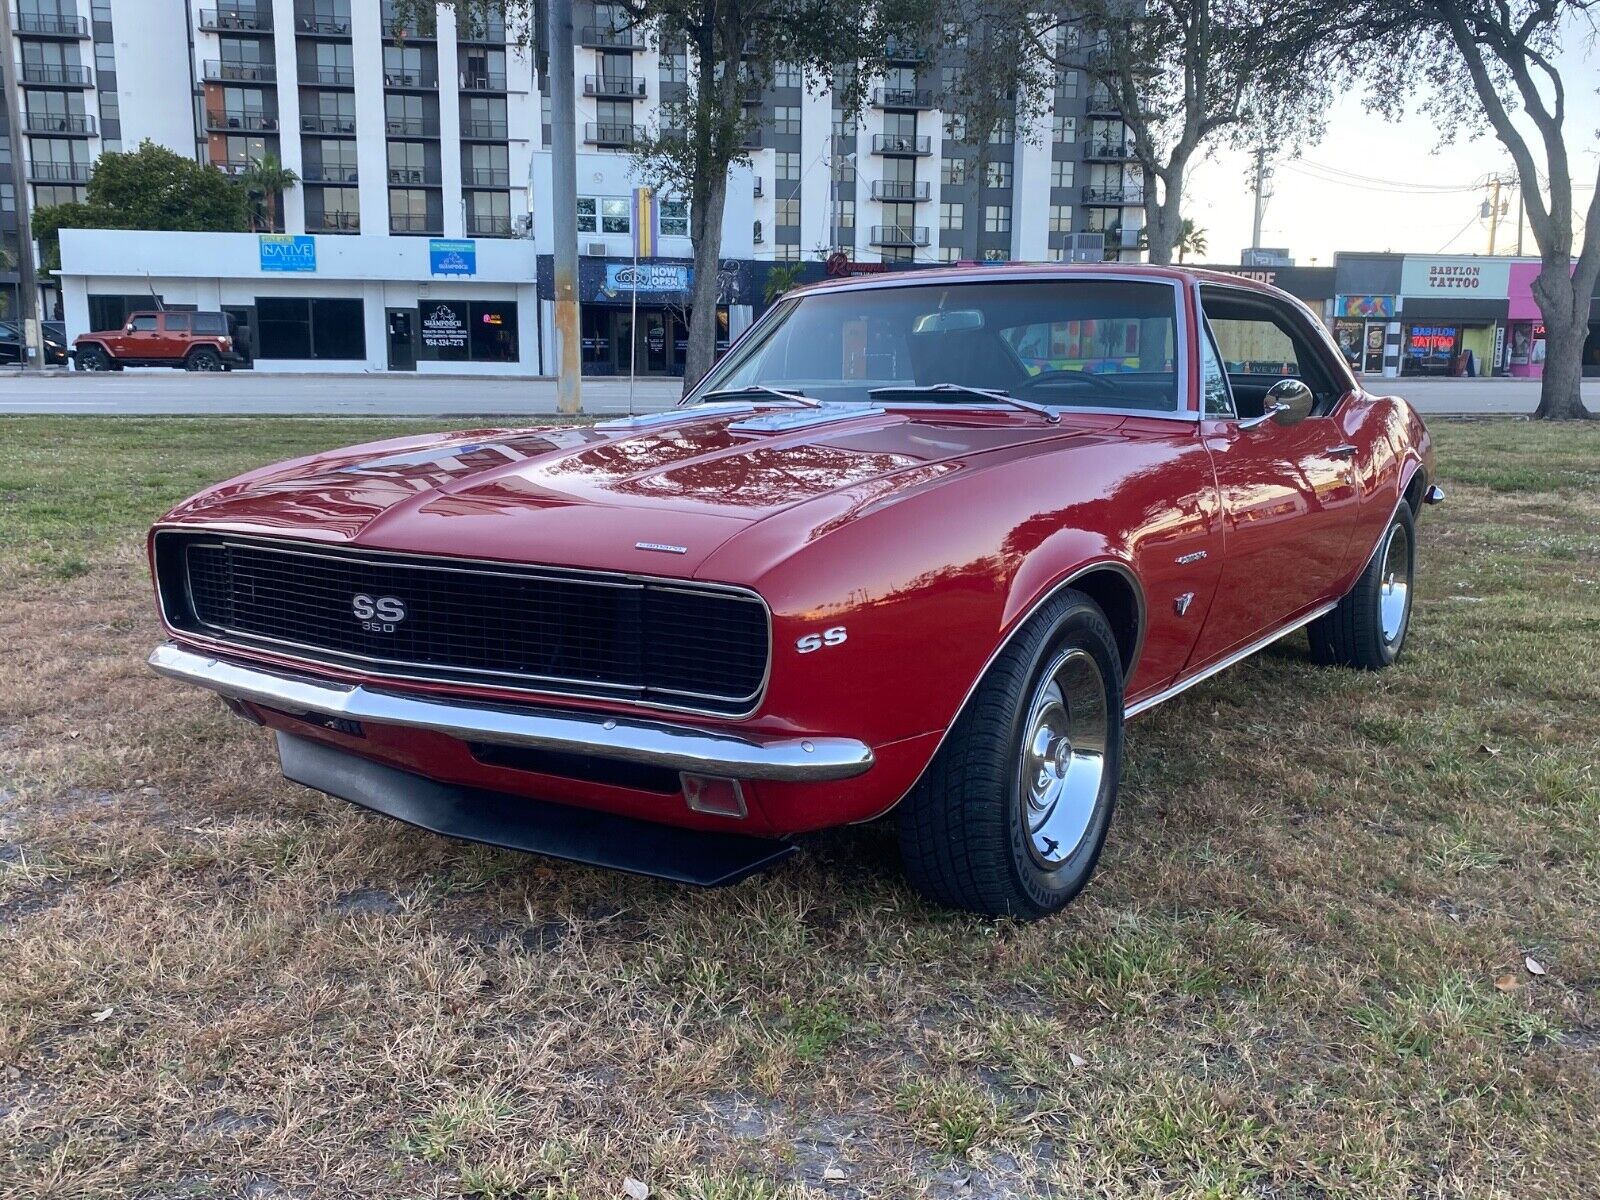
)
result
[(1367, 629), (93, 358), (203, 359), (1010, 817)]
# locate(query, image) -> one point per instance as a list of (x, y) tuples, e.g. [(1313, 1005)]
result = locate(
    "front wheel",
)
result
[(1010, 817), (1367, 629)]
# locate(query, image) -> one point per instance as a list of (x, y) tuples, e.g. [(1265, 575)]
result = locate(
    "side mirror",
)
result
[(1287, 402)]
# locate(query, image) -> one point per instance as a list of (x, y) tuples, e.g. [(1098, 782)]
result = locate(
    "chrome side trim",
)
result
[(676, 747), (1183, 685)]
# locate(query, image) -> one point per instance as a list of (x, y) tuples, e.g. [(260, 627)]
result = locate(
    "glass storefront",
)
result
[(467, 330), (612, 346)]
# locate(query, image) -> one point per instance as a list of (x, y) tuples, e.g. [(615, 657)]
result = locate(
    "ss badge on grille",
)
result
[(378, 614)]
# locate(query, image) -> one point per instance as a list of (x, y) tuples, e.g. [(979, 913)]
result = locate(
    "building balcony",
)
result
[(50, 25), (56, 75), (324, 173), (486, 177), (489, 224), (333, 222), (334, 126), (899, 235), (237, 121), (230, 19), (1112, 194), (480, 130), (1101, 103), (227, 71), (60, 124), (321, 25), (397, 30), (613, 87), (888, 97), (412, 127), (600, 37), (913, 145), (320, 75), (415, 177), (897, 51), (1108, 151), (414, 81), (483, 81), (480, 30), (416, 223), (607, 133), (58, 172), (900, 189)]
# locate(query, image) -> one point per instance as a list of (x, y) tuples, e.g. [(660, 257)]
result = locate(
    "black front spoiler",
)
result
[(580, 835)]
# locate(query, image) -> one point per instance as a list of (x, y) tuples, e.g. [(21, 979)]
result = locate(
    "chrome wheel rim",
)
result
[(1063, 756), (1394, 587)]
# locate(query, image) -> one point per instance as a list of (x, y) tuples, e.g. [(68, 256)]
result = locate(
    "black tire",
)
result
[(203, 359), (1358, 633), (965, 837), (93, 358)]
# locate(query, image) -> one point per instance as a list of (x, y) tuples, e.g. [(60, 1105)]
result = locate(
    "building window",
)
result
[(786, 212), (674, 218), (468, 330), (1003, 131), (786, 164), (997, 256), (1061, 171), (675, 67), (949, 254), (616, 216), (786, 118), (952, 216), (1055, 254), (955, 126), (8, 197), (587, 220), (846, 214), (953, 171), (1064, 129), (953, 79), (1067, 85), (846, 168), (787, 252), (1060, 218), (304, 328), (997, 218), (788, 75), (999, 175)]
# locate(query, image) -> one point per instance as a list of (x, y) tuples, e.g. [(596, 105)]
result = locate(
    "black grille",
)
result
[(592, 634)]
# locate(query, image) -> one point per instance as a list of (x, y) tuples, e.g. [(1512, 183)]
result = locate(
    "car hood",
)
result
[(654, 494)]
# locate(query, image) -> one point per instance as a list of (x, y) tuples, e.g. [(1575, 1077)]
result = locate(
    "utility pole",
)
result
[(564, 205), (1494, 211), (1262, 175), (31, 315)]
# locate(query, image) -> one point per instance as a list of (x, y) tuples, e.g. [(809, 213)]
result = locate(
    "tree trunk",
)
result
[(1566, 326), (707, 219), (1161, 218)]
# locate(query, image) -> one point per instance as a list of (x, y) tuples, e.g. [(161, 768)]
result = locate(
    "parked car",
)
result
[(918, 547), (55, 346), (195, 341)]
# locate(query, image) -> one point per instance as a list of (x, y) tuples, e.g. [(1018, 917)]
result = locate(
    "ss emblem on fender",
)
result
[(816, 641), (378, 614)]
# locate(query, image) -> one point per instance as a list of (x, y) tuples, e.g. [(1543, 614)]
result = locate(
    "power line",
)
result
[(1362, 184), (1470, 223)]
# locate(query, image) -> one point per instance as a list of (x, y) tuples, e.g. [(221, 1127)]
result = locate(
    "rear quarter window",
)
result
[(210, 323)]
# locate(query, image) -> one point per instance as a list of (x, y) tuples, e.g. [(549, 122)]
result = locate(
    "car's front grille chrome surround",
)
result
[(663, 643)]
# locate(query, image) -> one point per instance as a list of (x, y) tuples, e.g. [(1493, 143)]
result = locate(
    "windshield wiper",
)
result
[(793, 397), (961, 389)]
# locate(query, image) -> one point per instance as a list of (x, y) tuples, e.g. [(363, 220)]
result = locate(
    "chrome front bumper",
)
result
[(676, 747)]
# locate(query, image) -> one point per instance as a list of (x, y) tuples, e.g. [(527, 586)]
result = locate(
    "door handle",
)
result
[(1344, 451)]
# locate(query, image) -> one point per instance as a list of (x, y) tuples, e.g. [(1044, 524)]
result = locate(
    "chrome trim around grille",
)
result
[(676, 747)]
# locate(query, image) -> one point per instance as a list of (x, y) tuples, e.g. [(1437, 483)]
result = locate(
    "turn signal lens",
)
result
[(715, 795)]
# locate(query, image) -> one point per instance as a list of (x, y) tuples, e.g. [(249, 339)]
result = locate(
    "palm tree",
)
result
[(779, 280), (264, 180), (1190, 239)]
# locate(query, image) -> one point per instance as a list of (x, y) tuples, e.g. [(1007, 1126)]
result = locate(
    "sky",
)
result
[(1402, 203)]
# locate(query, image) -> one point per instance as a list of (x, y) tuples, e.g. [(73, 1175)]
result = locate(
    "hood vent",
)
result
[(789, 419)]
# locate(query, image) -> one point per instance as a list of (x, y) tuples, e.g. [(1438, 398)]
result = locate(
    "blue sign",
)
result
[(646, 277), (287, 252), (446, 257)]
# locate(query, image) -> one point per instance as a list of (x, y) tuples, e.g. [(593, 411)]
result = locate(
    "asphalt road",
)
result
[(153, 392)]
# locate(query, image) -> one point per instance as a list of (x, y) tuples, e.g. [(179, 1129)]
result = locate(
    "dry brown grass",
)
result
[(1281, 984)]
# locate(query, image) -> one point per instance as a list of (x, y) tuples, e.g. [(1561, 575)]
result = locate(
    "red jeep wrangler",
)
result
[(195, 341)]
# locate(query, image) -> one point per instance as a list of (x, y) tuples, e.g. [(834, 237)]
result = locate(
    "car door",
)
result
[(1288, 491), (173, 342), (138, 338)]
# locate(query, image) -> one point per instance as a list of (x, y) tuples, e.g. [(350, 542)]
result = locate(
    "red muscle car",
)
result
[(917, 546)]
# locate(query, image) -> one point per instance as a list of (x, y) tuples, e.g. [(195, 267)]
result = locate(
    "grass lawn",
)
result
[(1299, 973)]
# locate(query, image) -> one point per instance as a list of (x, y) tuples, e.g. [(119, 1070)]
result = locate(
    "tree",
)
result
[(1492, 61), (264, 181), (781, 279), (147, 188), (1191, 239), (733, 49), (1183, 77)]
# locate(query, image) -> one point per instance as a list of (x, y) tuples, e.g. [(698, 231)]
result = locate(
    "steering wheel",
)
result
[(1099, 383)]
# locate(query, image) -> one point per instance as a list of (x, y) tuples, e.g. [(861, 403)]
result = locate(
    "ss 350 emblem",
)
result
[(378, 614), (816, 641)]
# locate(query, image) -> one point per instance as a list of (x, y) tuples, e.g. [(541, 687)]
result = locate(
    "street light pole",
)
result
[(564, 205), (31, 314)]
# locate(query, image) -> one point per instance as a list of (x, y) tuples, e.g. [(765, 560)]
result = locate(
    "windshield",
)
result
[(1086, 343)]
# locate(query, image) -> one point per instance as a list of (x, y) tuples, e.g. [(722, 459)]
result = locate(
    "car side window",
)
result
[(177, 322), (142, 325), (1255, 347), (1218, 401), (1260, 341), (210, 323)]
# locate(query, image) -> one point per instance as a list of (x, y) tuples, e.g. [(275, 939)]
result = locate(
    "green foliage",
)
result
[(147, 188), (1191, 239), (780, 280)]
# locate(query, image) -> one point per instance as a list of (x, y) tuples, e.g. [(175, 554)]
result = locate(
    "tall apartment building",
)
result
[(404, 138)]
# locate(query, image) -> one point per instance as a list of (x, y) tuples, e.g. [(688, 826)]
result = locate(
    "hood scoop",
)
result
[(677, 416), (790, 420)]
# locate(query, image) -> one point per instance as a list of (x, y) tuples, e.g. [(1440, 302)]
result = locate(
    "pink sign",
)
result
[(1521, 306)]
